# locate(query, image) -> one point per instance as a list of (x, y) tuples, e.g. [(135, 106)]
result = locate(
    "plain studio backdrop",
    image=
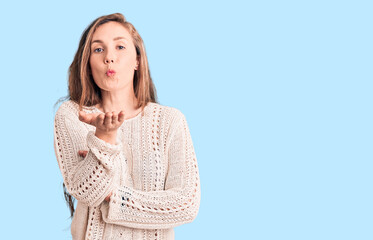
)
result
[(277, 95)]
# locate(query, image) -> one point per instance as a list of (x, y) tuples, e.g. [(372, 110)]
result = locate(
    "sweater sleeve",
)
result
[(177, 204), (88, 179)]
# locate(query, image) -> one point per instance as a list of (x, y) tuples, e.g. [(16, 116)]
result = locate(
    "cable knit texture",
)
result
[(152, 172)]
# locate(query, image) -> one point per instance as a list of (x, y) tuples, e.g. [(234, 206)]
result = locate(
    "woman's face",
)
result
[(113, 57)]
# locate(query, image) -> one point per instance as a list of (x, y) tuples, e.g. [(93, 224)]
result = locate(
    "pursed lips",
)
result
[(110, 73)]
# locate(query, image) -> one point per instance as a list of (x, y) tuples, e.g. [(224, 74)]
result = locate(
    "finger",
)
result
[(85, 153), (108, 117), (107, 199), (100, 119), (114, 119), (121, 116), (82, 153)]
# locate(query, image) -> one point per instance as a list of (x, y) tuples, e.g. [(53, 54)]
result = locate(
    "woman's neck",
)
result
[(119, 101)]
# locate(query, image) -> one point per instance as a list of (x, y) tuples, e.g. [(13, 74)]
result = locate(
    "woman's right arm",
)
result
[(88, 179)]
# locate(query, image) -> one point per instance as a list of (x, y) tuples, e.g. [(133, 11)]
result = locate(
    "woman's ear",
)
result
[(137, 64)]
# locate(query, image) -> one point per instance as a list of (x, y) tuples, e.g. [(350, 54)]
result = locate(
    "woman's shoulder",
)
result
[(68, 108), (165, 111), (71, 108)]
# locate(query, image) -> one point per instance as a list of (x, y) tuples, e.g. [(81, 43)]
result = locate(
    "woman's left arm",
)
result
[(176, 205)]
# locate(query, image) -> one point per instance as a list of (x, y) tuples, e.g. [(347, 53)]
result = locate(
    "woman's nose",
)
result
[(109, 57)]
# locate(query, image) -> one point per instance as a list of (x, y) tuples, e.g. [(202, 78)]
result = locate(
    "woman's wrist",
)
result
[(109, 137)]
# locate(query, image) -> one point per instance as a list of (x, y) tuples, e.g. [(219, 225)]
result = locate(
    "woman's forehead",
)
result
[(111, 31)]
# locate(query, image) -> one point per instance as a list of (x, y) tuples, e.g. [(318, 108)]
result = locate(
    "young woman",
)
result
[(128, 160)]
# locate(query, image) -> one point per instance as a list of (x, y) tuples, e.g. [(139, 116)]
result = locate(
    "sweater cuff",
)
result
[(104, 151)]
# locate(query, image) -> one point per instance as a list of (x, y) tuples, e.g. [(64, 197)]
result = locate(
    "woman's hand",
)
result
[(106, 124), (83, 153), (107, 199)]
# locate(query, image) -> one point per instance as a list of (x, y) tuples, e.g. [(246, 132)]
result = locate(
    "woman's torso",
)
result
[(144, 167)]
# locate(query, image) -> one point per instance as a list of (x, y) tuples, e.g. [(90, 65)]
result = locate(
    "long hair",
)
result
[(84, 91)]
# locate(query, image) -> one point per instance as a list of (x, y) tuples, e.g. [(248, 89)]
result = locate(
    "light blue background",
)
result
[(277, 95)]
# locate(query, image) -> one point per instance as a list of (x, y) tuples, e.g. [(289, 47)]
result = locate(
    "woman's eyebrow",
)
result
[(115, 39)]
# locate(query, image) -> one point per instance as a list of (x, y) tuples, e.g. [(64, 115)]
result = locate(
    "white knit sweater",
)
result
[(152, 172)]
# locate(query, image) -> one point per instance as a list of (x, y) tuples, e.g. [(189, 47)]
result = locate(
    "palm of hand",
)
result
[(104, 122)]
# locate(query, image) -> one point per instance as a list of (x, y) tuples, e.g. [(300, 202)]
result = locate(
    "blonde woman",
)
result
[(127, 160)]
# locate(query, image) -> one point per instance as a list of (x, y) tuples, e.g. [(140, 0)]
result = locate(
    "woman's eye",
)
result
[(98, 50), (121, 47)]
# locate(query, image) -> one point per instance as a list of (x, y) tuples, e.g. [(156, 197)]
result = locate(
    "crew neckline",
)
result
[(129, 119)]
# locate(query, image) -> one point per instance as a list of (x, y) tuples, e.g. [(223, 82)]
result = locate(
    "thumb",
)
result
[(84, 117), (89, 118)]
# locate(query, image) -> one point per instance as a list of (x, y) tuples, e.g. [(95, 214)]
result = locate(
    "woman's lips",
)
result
[(110, 73)]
